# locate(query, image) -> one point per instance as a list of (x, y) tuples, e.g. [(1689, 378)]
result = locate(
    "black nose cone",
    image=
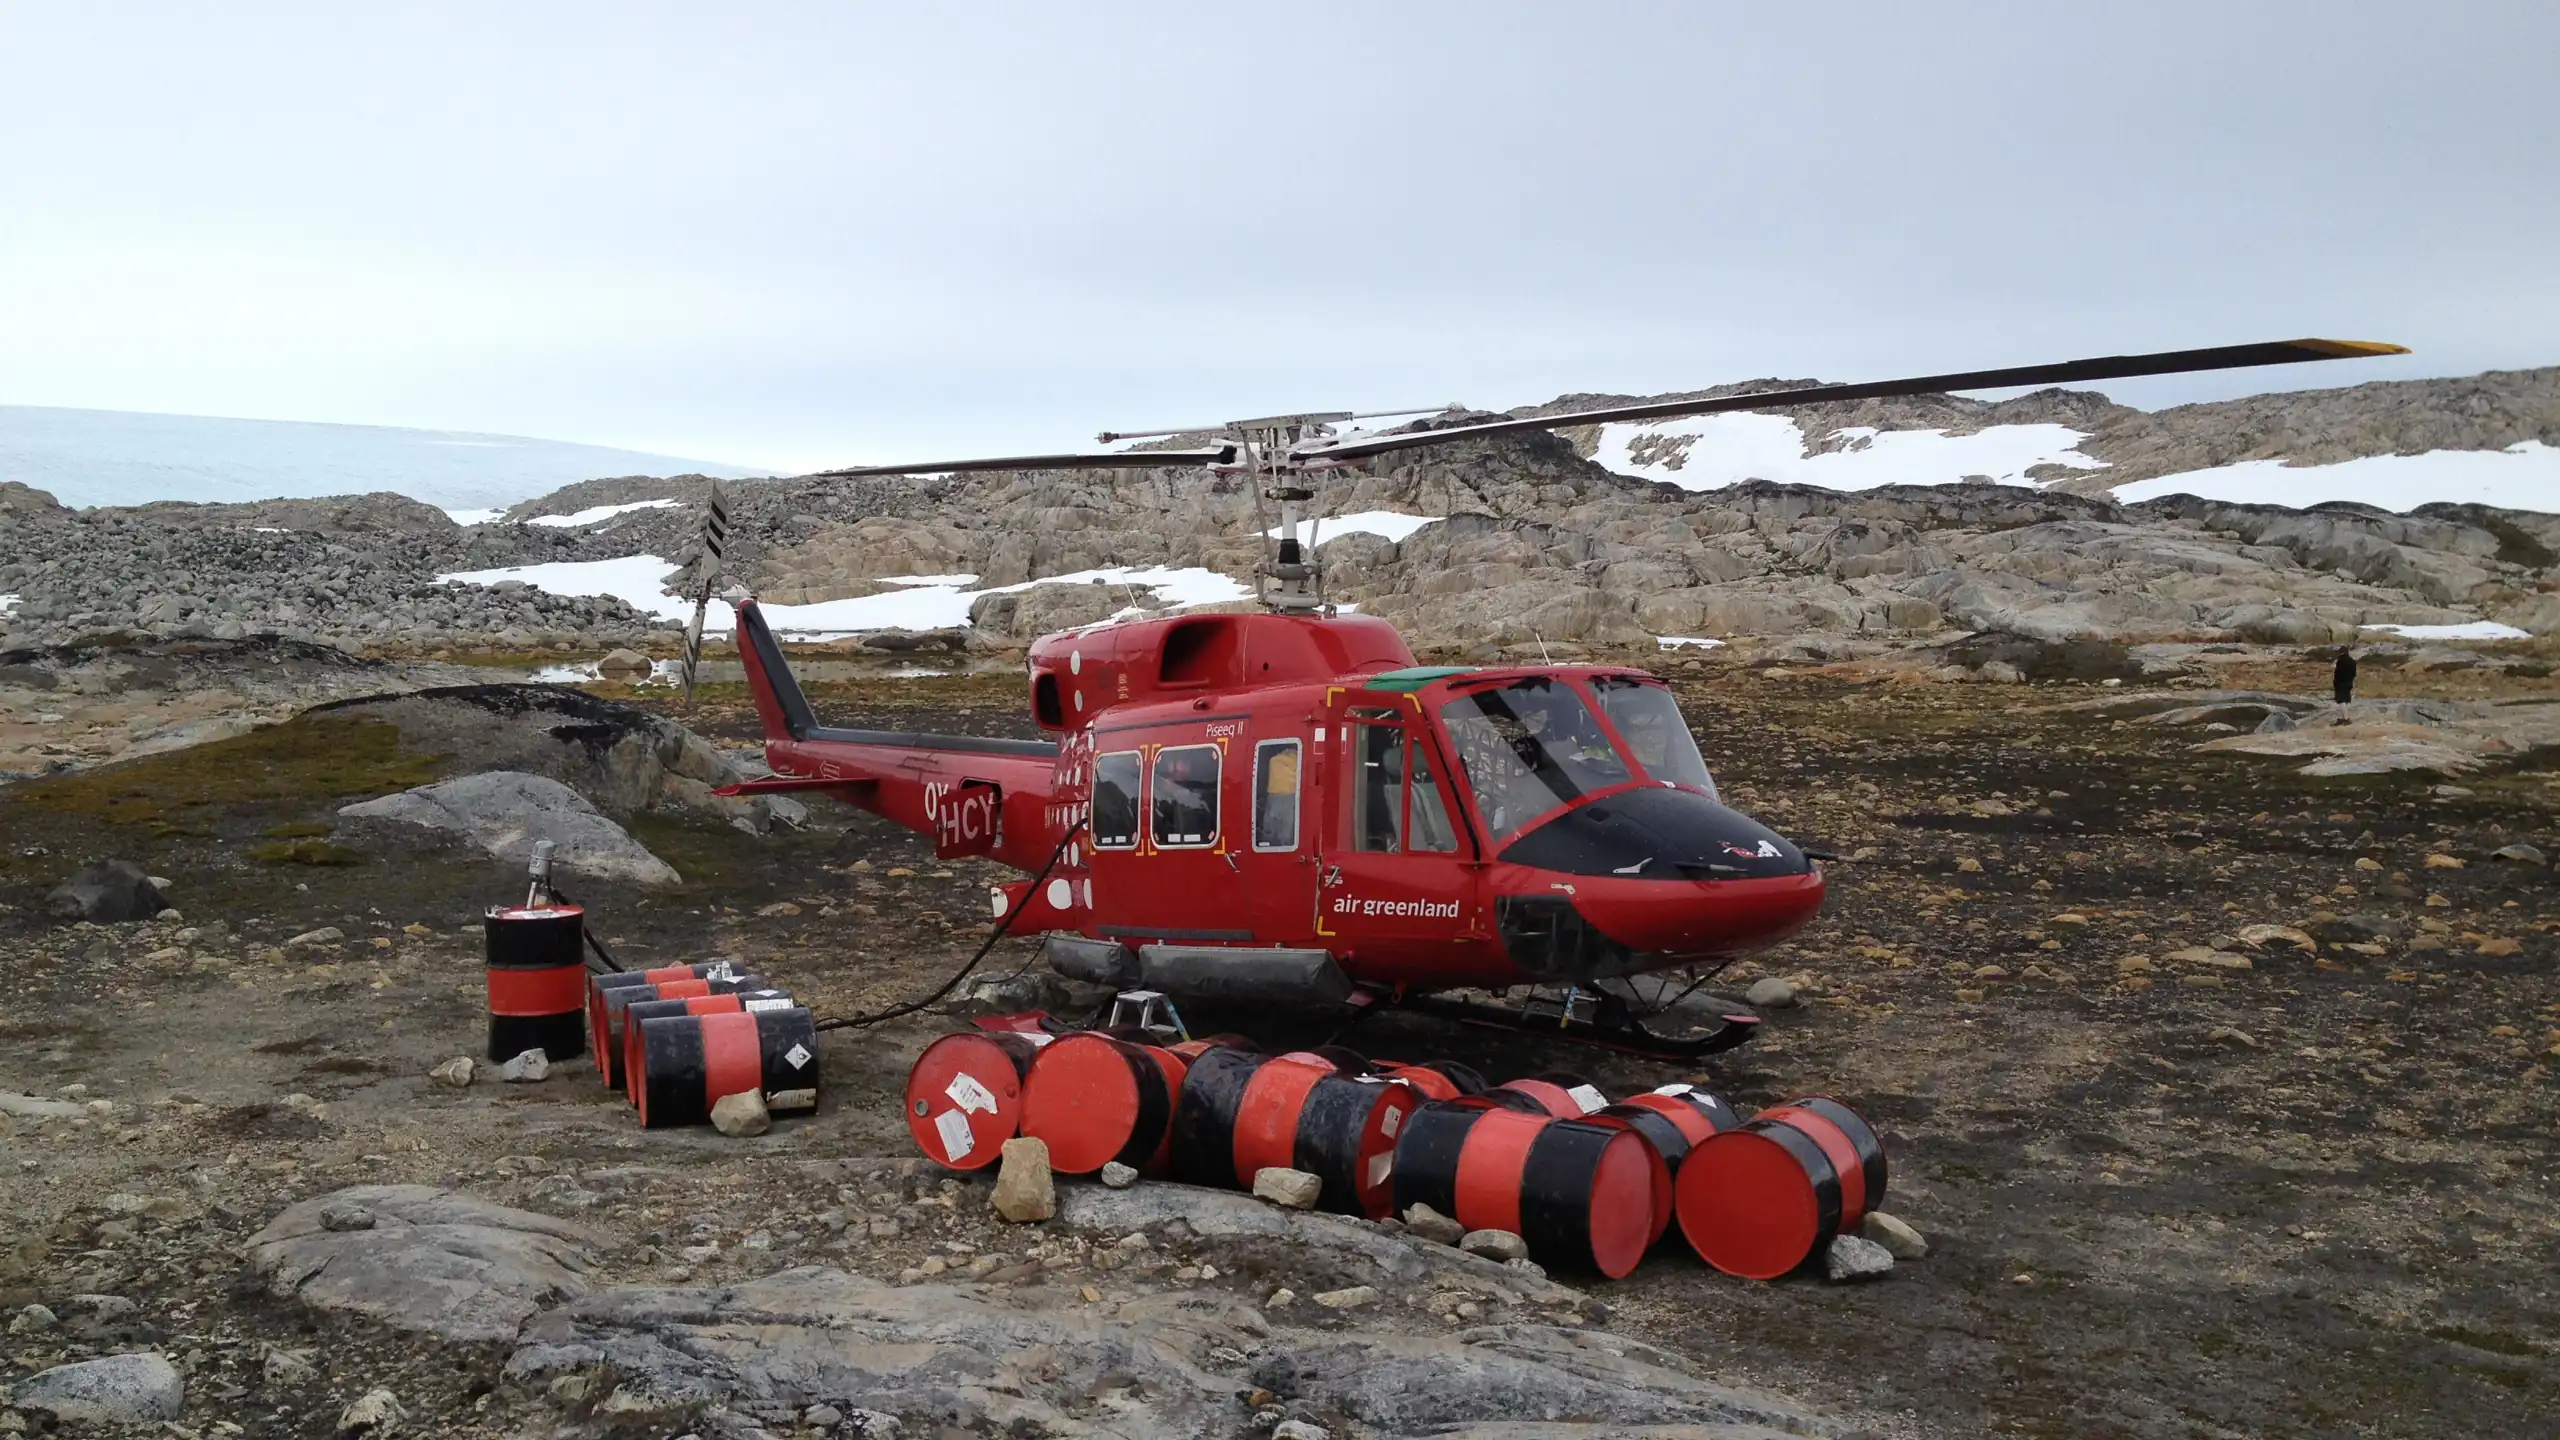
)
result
[(1658, 833)]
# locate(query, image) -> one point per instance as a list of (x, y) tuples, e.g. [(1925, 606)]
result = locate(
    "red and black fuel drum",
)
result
[(1762, 1200), (1436, 1079), (1580, 1193), (964, 1096), (640, 1012), (690, 1062), (537, 980), (1240, 1113), (1698, 1112), (1095, 1098), (598, 985), (1567, 1097), (606, 1019)]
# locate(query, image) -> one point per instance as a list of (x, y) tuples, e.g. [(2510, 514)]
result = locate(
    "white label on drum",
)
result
[(1380, 1168), (792, 1100), (1673, 1089), (720, 971), (779, 1002), (798, 1055), (1588, 1098), (956, 1139), (968, 1094), (1393, 1122)]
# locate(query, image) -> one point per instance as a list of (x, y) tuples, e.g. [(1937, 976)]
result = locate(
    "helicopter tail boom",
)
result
[(975, 795)]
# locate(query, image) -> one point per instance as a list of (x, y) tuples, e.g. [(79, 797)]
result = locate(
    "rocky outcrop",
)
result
[(507, 813), (621, 758), (1048, 1361), (1538, 547)]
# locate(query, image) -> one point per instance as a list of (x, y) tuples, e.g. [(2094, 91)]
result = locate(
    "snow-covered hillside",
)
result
[(1711, 452), (116, 457)]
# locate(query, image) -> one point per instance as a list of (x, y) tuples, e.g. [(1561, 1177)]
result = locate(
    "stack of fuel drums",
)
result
[(1586, 1184), (676, 1040)]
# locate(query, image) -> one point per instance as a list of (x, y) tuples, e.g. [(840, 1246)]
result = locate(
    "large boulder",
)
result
[(115, 1390), (505, 812), (422, 1258), (109, 893)]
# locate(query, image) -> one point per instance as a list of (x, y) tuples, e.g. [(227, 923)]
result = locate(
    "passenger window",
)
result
[(1115, 801), (1275, 795), (1185, 795), (1377, 798)]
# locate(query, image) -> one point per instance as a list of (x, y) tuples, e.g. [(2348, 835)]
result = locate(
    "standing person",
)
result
[(2342, 678)]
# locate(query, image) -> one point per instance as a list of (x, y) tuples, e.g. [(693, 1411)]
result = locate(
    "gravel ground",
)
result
[(2175, 1183)]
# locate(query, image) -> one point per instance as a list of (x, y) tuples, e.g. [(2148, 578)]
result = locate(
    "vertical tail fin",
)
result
[(779, 703)]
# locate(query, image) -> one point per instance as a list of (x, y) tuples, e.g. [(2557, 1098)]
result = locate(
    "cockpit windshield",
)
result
[(1529, 748), (1648, 719)]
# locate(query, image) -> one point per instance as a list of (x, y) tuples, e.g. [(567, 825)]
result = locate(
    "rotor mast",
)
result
[(1291, 580)]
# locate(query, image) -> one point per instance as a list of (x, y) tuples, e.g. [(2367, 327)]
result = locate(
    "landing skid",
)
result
[(1604, 1024)]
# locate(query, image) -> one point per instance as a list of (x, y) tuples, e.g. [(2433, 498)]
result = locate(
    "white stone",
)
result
[(1494, 1244), (1118, 1176), (1894, 1235), (1025, 1190), (742, 1115), (530, 1067), (455, 1072), (1295, 1189), (1853, 1257), (1351, 1298), (1770, 993)]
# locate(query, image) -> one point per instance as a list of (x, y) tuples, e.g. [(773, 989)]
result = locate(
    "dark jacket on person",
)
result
[(2342, 680)]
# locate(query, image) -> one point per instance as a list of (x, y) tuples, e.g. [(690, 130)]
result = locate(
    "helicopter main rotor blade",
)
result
[(2106, 367), (1125, 460)]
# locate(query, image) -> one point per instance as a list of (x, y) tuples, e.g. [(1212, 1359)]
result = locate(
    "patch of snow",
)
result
[(8, 603), (1392, 524), (271, 529), (2471, 630), (1744, 445), (928, 579), (2524, 476), (474, 517), (639, 581), (1675, 642), (600, 512)]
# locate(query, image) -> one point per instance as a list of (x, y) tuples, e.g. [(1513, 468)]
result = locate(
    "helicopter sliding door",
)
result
[(1398, 866)]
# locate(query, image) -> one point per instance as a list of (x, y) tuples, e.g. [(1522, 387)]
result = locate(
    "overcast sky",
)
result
[(794, 235)]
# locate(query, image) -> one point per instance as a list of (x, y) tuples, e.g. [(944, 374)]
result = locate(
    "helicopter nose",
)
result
[(1698, 918)]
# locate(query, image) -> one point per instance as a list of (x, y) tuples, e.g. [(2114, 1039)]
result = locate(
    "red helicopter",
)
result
[(1285, 809)]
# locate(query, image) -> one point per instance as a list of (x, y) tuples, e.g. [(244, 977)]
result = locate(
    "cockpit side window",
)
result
[(1649, 720)]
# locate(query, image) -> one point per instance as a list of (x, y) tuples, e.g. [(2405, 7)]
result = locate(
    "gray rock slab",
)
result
[(433, 1260), (506, 811), (1217, 1213), (994, 1359), (119, 1389)]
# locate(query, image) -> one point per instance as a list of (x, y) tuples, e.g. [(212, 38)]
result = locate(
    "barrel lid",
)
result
[(1751, 1201), (964, 1100), (1081, 1099), (535, 912), (1623, 1194)]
